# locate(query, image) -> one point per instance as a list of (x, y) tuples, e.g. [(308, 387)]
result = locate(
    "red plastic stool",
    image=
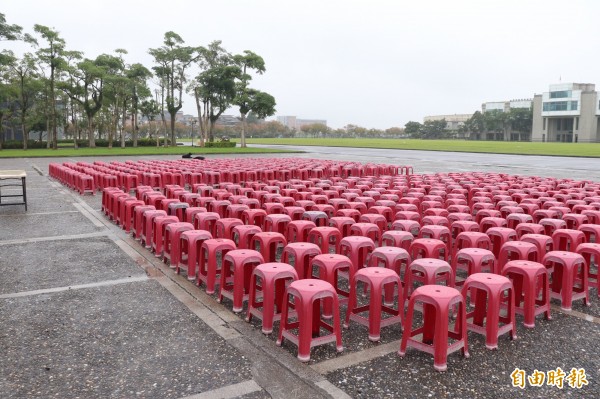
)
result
[(207, 221), (297, 230), (379, 220), (224, 227), (437, 232), (529, 278), (515, 219), (172, 244), (567, 239), (541, 241), (138, 212), (369, 230), (473, 260), (438, 302), (357, 249), (242, 235), (190, 243), (428, 248), (410, 226), (396, 259), (461, 226), (267, 244), (488, 291), (376, 280), (529, 228), (397, 238), (191, 212), (569, 277), (591, 254), (427, 271), (294, 212), (342, 223), (325, 238), (277, 223), (498, 236), (332, 267), (317, 217), (551, 225), (128, 212), (307, 296), (575, 220), (147, 225), (238, 266), (490, 222), (517, 250), (591, 232), (351, 213), (267, 286), (208, 266), (254, 217), (159, 227), (300, 255)]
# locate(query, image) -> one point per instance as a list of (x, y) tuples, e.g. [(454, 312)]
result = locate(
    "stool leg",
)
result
[(336, 324), (375, 313), (440, 343), (238, 286), (492, 320)]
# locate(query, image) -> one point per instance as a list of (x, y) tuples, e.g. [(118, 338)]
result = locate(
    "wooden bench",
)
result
[(13, 175)]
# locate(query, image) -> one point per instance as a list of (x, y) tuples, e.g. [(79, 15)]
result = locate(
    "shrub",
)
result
[(220, 144)]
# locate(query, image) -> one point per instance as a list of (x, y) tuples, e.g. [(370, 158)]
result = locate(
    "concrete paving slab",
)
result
[(124, 341), (485, 374), (44, 225), (35, 266)]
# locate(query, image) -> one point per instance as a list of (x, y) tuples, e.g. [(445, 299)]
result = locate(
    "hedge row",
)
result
[(18, 144)]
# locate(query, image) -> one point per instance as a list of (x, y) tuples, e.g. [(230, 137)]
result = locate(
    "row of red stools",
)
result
[(326, 233), (159, 174)]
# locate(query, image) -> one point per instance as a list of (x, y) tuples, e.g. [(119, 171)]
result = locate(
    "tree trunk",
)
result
[(91, 141), (243, 133), (200, 122), (173, 140), (24, 130)]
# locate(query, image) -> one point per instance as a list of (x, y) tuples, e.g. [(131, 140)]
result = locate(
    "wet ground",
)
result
[(86, 312)]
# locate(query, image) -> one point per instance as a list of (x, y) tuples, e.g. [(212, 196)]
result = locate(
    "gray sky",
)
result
[(377, 63)]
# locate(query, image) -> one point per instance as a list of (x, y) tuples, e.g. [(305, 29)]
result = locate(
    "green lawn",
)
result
[(497, 147), (116, 151)]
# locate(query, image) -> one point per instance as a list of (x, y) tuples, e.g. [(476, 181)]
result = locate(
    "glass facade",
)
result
[(561, 106), (560, 94)]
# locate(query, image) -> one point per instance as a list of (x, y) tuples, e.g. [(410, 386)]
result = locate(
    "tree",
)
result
[(260, 103), (214, 88), (315, 129), (26, 88), (138, 75), (51, 56), (434, 129), (149, 110), (520, 119), (173, 59), (9, 32), (413, 129)]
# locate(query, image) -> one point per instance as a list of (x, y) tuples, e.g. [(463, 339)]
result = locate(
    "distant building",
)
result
[(568, 112), (505, 106), (228, 120), (295, 123), (453, 122)]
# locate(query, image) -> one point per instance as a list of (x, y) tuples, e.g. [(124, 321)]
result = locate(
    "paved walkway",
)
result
[(86, 312)]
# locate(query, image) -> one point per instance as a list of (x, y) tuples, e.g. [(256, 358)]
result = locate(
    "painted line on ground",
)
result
[(230, 391), (351, 359), (577, 314), (37, 213), (75, 287), (55, 238)]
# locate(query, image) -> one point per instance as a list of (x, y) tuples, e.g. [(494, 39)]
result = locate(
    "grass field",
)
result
[(101, 151), (495, 147)]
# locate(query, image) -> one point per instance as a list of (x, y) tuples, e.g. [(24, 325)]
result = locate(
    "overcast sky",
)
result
[(376, 63)]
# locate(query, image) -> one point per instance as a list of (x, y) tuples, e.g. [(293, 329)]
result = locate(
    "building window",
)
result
[(560, 94), (560, 106)]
